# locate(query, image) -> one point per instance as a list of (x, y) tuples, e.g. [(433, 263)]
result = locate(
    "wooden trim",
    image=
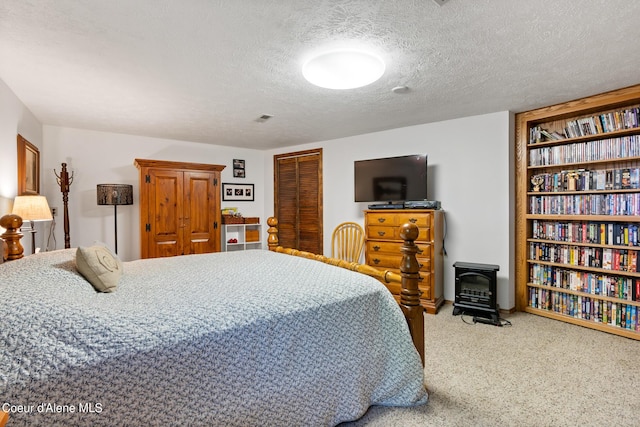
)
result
[(140, 163), (24, 148), (409, 276), (583, 106), (4, 417)]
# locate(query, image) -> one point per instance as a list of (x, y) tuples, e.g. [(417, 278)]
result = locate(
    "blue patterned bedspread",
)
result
[(250, 338)]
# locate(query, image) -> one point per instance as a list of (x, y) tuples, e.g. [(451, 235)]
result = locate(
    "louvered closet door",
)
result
[(201, 198), (298, 200), (309, 204), (287, 202)]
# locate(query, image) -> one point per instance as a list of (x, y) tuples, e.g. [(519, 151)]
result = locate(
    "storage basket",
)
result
[(232, 219), (251, 235)]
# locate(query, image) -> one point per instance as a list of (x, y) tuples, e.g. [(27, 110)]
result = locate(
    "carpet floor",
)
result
[(535, 372)]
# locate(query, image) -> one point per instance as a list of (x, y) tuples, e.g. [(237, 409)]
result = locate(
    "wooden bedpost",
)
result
[(12, 236), (410, 294), (272, 240)]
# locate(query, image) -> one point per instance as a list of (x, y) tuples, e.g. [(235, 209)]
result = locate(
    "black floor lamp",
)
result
[(115, 194)]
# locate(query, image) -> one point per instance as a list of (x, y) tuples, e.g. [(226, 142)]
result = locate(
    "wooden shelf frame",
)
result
[(585, 107)]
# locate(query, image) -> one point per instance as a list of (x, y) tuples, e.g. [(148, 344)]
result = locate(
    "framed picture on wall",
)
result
[(237, 192), (28, 167), (238, 168)]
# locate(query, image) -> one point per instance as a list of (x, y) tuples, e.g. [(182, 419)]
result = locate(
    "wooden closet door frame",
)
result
[(296, 154)]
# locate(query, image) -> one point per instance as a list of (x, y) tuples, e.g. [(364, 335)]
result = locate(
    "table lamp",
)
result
[(32, 209)]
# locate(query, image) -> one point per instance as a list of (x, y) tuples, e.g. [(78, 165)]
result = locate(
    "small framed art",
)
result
[(28, 168), (238, 168), (237, 192)]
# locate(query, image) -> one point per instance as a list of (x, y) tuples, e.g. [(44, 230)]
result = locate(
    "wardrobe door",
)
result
[(201, 201), (165, 214)]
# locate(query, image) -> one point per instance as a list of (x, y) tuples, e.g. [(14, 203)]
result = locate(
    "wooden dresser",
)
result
[(382, 248)]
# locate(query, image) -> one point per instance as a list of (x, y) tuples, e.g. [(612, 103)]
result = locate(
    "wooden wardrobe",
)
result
[(179, 208)]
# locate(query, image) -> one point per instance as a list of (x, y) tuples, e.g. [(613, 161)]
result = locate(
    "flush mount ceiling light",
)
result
[(343, 69)]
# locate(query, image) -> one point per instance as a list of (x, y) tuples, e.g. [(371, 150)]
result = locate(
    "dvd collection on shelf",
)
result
[(594, 125), (589, 180), (586, 204), (606, 258), (580, 152), (624, 288), (595, 232), (617, 314), (579, 188)]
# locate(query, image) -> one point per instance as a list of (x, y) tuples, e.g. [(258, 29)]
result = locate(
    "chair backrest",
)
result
[(347, 242)]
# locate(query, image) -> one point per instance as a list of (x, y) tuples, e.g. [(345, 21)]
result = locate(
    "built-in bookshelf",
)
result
[(578, 212)]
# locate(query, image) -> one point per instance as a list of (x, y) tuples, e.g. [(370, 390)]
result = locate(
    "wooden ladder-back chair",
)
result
[(347, 242)]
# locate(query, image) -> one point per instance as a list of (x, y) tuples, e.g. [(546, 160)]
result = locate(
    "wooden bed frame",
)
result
[(408, 278)]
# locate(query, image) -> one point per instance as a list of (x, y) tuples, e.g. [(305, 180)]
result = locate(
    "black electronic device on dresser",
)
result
[(476, 286)]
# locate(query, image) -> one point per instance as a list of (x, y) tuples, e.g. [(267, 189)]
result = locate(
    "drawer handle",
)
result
[(376, 261), (413, 220), (381, 233), (376, 248), (382, 219), (420, 265)]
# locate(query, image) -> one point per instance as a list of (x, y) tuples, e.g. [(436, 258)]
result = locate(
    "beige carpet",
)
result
[(536, 372)]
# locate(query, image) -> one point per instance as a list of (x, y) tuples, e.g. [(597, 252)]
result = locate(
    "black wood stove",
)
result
[(476, 286)]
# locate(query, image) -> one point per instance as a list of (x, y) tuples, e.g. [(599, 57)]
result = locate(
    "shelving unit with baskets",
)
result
[(239, 234), (578, 212)]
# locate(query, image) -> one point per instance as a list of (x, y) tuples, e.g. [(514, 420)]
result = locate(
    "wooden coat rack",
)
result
[(64, 181)]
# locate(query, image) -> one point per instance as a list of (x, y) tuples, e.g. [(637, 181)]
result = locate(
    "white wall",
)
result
[(469, 172), (15, 119), (103, 158)]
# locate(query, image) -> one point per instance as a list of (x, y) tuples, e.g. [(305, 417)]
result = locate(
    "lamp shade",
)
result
[(115, 194), (32, 208)]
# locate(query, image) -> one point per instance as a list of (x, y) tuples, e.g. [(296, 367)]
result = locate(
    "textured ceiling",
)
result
[(205, 70)]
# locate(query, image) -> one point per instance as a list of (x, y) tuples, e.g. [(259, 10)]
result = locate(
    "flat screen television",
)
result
[(391, 179)]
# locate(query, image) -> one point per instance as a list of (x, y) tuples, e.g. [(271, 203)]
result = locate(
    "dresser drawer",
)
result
[(424, 286), (396, 219), (393, 233), (393, 248), (392, 262), (379, 232)]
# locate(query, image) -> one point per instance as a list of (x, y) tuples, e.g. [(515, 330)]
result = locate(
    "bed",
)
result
[(250, 338)]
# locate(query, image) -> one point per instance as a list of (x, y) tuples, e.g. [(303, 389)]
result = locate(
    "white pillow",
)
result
[(101, 267)]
